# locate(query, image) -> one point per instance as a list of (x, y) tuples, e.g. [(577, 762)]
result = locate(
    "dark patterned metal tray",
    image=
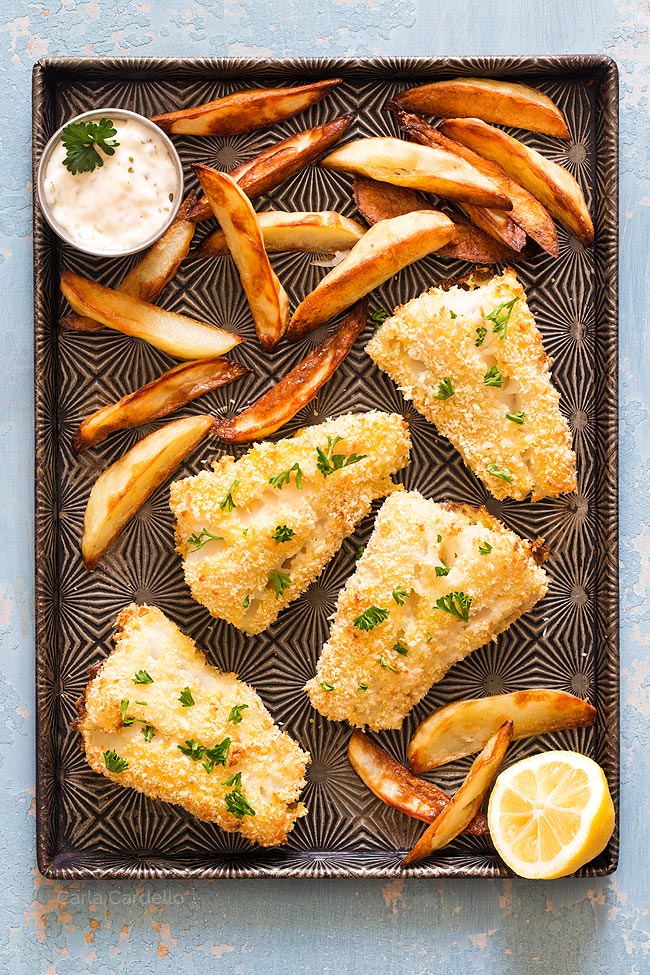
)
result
[(87, 826)]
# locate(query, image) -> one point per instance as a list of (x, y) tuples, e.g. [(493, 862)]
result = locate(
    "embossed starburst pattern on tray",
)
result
[(87, 826)]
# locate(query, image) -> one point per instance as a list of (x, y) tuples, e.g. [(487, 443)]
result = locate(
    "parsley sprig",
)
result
[(236, 712), (113, 762), (501, 316), (81, 139), (400, 595), (283, 534), (329, 462), (457, 604), (227, 503), (284, 477), (142, 677), (371, 618), (501, 473), (280, 581), (516, 417), (484, 548), (186, 698), (198, 541), (493, 377), (378, 317), (445, 389), (238, 804)]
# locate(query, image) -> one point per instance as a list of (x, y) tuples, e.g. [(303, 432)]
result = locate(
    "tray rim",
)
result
[(601, 68)]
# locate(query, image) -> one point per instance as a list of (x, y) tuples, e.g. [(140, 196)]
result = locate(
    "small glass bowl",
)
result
[(114, 114)]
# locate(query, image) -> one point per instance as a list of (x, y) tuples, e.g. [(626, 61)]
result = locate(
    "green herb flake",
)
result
[(247, 602), (329, 462), (192, 749), (481, 332), (429, 637), (218, 755), (501, 316), (359, 552), (503, 474), (378, 317), (234, 780), (457, 604), (326, 685), (80, 140), (238, 805), (439, 539), (113, 762), (485, 548), (516, 417), (127, 722), (283, 534), (401, 648), (400, 595), (227, 503), (142, 677), (383, 662), (236, 712), (445, 389), (186, 698), (442, 570), (452, 314), (493, 377), (280, 582), (371, 618), (198, 541), (148, 731), (362, 687), (284, 477)]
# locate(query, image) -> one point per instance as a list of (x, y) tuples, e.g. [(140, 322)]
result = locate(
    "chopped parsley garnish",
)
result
[(516, 417), (244, 532), (148, 731), (284, 477), (113, 762), (503, 474), (485, 548), (445, 389), (442, 570), (219, 754), (481, 332), (326, 685), (493, 377), (233, 780), (214, 756), (329, 462), (198, 541), (247, 602), (452, 314), (192, 749), (371, 618), (227, 503), (236, 712), (280, 581), (142, 677), (400, 595), (238, 805), (429, 637), (186, 698), (501, 316), (80, 139), (362, 687), (439, 539), (124, 703), (457, 604), (283, 534), (378, 317), (383, 662), (401, 648), (359, 552)]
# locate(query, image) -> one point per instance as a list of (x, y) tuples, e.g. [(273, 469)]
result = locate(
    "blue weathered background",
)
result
[(456, 928)]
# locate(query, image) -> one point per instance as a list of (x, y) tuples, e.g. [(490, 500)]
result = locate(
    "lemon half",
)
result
[(550, 814)]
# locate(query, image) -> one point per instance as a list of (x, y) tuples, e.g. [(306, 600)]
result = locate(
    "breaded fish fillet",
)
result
[(254, 533), (436, 581), (158, 718), (471, 358)]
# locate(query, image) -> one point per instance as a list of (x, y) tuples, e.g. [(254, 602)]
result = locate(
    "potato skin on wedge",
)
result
[(462, 727), (316, 232), (504, 102)]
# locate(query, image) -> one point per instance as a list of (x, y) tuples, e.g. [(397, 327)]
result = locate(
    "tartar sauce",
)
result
[(120, 204)]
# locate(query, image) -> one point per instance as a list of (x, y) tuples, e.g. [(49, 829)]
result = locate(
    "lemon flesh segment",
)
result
[(550, 814)]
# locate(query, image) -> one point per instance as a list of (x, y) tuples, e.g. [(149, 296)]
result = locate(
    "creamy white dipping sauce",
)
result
[(121, 204)]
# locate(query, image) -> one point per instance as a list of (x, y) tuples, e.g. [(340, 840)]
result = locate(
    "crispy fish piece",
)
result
[(472, 361), (254, 533), (160, 719), (435, 582)]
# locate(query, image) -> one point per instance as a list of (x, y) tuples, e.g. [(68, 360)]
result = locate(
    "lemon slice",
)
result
[(550, 814)]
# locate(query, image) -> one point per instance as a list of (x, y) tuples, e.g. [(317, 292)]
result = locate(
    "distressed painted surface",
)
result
[(460, 928)]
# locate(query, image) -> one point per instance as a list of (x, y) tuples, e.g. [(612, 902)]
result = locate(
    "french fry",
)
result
[(297, 388), (385, 249), (380, 201), (322, 232), (527, 212), (124, 487), (465, 804), (244, 111), (178, 335), (153, 271), (462, 727), (394, 784), (268, 301), (421, 167), (503, 102), (159, 398), (551, 184), (280, 162)]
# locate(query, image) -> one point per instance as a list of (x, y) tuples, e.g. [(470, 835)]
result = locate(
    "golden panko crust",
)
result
[(375, 676), (262, 763), (268, 543), (503, 415)]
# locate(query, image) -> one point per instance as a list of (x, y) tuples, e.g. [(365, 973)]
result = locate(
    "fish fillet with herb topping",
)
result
[(435, 582), (158, 718), (471, 359), (254, 533)]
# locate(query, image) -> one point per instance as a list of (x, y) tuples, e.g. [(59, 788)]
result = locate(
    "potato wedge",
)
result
[(323, 232), (462, 727), (268, 301), (297, 388), (159, 398), (497, 224), (504, 102), (549, 183), (178, 335), (527, 212), (385, 249), (244, 111), (153, 271), (281, 161), (465, 804), (125, 486), (380, 201), (394, 784), (421, 167)]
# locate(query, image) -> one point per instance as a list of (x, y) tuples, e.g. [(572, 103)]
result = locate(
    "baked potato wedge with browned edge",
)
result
[(316, 232)]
